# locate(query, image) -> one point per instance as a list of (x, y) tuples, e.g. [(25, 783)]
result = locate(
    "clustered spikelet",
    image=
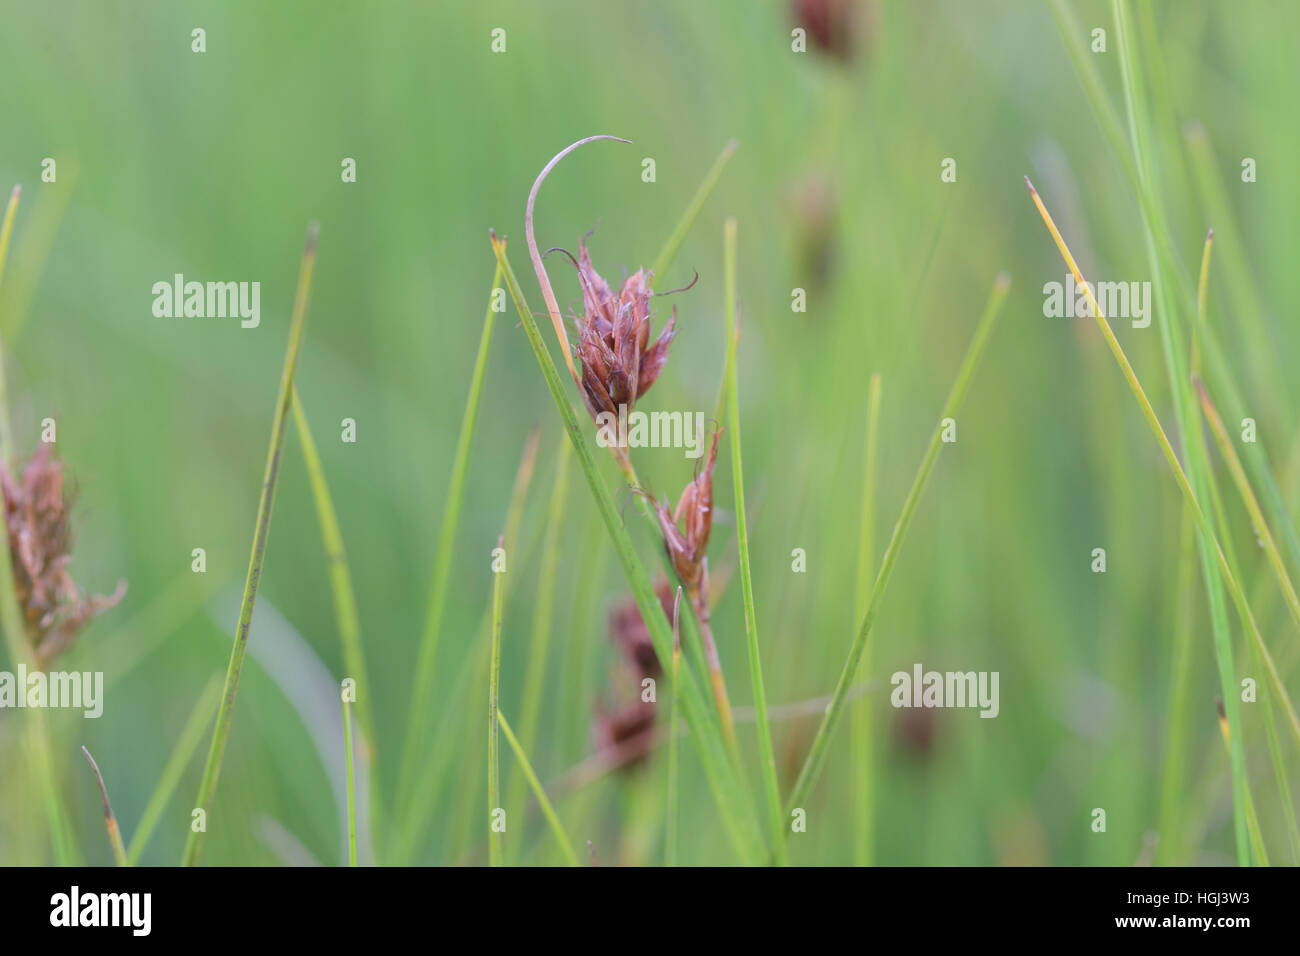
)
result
[(618, 362), (686, 529), (40, 544)]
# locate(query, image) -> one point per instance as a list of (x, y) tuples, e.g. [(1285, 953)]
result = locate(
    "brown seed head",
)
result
[(618, 362), (40, 545), (694, 513)]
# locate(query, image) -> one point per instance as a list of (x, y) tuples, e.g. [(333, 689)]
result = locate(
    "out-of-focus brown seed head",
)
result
[(627, 731), (618, 362), (40, 545), (694, 513), (630, 635), (839, 28), (916, 730)]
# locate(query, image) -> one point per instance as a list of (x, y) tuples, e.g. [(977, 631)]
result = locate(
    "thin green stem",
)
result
[(426, 656), (766, 755), (351, 778), (261, 533), (345, 608), (860, 730), (566, 846), (495, 836), (187, 744), (817, 752), (674, 799), (543, 611), (674, 241), (1248, 498)]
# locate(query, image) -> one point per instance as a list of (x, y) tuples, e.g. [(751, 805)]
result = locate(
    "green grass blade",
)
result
[(674, 798), (817, 752), (473, 673), (566, 846), (351, 780), (426, 656), (110, 821), (1207, 539), (208, 785), (734, 807), (543, 611), (766, 755), (1248, 498), (860, 729), (495, 837), (187, 743), (345, 608), (674, 241)]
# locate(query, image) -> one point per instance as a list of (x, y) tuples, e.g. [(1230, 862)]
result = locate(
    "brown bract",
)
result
[(694, 513), (40, 545), (618, 362)]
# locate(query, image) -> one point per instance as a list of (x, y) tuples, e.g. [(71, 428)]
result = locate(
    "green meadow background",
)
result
[(212, 165)]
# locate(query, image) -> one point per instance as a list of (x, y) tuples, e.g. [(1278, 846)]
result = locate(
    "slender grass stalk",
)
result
[(1172, 785), (1245, 302), (1250, 501), (200, 719), (351, 779), (566, 846), (208, 785), (6, 233), (110, 821), (674, 798), (345, 609), (494, 681), (674, 241), (426, 656), (37, 737), (766, 755), (1252, 821), (1208, 539), (473, 673), (543, 611), (1204, 170), (1275, 753), (735, 810), (860, 729), (835, 711), (1262, 533)]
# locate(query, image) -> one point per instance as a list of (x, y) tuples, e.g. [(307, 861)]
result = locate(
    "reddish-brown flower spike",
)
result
[(40, 542), (618, 363), (694, 512)]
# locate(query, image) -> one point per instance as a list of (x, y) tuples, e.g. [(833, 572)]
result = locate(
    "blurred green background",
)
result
[(212, 164)]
